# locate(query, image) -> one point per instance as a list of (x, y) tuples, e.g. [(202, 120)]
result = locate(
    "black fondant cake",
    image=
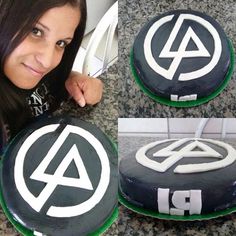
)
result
[(182, 56), (59, 177), (183, 178)]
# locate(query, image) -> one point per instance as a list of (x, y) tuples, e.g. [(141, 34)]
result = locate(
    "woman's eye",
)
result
[(62, 44), (37, 32)]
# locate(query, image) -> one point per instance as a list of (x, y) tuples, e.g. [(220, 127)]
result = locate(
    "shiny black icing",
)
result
[(139, 184), (160, 86), (62, 195)]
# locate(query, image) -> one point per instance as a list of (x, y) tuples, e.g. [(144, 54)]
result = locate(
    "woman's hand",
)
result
[(84, 89)]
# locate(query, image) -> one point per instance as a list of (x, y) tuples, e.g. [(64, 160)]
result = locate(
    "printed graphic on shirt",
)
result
[(40, 100)]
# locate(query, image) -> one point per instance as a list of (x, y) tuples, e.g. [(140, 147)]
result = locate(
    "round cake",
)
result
[(182, 58), (59, 177), (181, 179)]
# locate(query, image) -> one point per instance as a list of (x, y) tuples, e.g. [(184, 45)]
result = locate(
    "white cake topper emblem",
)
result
[(188, 150), (182, 53), (58, 178)]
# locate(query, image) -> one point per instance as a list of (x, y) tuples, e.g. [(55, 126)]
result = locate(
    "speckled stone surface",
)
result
[(131, 223), (133, 14), (104, 115)]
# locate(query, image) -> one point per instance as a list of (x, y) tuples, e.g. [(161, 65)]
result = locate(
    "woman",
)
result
[(38, 43)]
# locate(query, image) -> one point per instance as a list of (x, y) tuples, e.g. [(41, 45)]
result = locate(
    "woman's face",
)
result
[(42, 50)]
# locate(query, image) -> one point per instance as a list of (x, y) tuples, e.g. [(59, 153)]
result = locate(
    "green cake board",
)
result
[(160, 216)]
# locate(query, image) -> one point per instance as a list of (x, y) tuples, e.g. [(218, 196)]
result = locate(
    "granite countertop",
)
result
[(131, 223), (104, 115), (132, 16)]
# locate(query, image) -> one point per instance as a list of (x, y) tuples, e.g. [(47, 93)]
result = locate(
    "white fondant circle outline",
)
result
[(142, 159), (68, 211), (168, 74)]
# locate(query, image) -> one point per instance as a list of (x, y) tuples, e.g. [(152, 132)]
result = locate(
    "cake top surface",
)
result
[(181, 162), (181, 55)]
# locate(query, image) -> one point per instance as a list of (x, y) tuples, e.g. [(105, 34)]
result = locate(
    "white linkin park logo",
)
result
[(190, 150), (182, 53), (52, 181)]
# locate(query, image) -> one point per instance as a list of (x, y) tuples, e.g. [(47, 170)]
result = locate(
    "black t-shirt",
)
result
[(44, 98), (41, 100)]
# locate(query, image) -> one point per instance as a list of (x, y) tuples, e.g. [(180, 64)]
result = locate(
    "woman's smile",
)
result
[(34, 71)]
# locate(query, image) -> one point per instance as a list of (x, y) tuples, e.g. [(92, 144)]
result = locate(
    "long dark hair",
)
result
[(17, 18)]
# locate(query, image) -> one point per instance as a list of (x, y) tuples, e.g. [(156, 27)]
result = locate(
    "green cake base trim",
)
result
[(155, 214), (197, 102)]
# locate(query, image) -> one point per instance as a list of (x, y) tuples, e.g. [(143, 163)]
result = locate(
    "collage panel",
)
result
[(58, 116), (177, 58), (117, 117), (177, 176)]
